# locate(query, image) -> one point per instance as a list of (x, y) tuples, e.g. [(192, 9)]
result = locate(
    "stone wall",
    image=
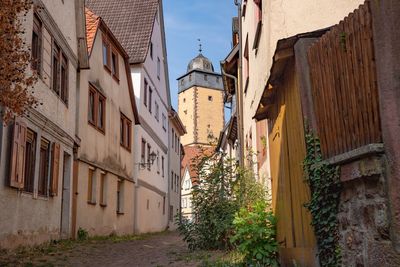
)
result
[(364, 221)]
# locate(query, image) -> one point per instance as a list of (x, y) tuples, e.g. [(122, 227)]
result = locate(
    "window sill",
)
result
[(103, 205), (92, 202), (120, 213), (97, 128), (116, 78), (127, 148)]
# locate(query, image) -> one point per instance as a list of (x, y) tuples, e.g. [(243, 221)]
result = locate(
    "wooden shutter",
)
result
[(55, 167), (17, 172)]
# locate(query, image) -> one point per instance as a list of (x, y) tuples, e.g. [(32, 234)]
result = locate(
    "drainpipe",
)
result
[(239, 91)]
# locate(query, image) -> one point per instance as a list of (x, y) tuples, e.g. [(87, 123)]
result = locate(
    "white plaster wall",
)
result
[(151, 219), (175, 166), (104, 220), (25, 218), (105, 149), (281, 19)]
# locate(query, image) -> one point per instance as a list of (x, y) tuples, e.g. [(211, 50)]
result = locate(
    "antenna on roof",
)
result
[(200, 49)]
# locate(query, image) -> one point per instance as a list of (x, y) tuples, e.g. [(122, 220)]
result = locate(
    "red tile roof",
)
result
[(131, 21), (92, 23), (193, 154)]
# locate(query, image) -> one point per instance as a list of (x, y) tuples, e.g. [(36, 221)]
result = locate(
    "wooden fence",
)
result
[(344, 85)]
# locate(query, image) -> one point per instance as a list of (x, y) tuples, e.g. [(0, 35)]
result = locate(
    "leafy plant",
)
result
[(15, 83), (82, 234), (255, 235), (325, 186)]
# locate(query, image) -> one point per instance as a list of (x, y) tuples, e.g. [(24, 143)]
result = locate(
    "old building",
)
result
[(175, 155), (36, 164), (104, 184), (139, 25), (262, 24)]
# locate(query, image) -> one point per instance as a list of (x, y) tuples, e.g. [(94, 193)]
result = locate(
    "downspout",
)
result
[(239, 95)]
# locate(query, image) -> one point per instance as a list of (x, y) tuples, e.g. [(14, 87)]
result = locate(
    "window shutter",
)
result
[(55, 163), (17, 172)]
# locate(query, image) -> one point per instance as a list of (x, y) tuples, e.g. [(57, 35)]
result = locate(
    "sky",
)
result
[(189, 20)]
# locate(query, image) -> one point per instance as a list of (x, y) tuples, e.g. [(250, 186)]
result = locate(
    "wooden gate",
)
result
[(289, 191)]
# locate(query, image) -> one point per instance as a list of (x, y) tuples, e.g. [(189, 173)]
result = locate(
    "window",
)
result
[(151, 50), (114, 64), (172, 180), (164, 122), (187, 184), (37, 45), (30, 154), (184, 100), (172, 138), (258, 22), (157, 112), (210, 98), (150, 99), (145, 92), (205, 77), (162, 166), (126, 132), (91, 196), (60, 73), (176, 183), (143, 151), (148, 204), (106, 54), (103, 189), (158, 67), (217, 80), (96, 109), (120, 197), (158, 162), (43, 167), (246, 65), (190, 77), (148, 156), (182, 82), (184, 202)]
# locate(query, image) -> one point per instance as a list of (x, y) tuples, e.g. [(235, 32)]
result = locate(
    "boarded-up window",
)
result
[(44, 164), (30, 161), (55, 169), (91, 196), (37, 45)]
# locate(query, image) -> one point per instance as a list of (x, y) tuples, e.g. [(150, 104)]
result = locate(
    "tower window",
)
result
[(182, 81), (190, 77), (205, 77), (217, 79), (184, 100), (210, 98), (185, 111)]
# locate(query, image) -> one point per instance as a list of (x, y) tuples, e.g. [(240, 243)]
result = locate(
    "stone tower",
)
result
[(200, 102)]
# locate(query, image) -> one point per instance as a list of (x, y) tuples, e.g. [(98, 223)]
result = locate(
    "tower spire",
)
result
[(200, 46)]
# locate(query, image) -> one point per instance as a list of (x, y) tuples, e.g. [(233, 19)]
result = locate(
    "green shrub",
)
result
[(255, 235), (82, 234)]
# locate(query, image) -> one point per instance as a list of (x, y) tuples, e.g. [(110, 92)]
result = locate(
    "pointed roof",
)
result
[(92, 23), (131, 21)]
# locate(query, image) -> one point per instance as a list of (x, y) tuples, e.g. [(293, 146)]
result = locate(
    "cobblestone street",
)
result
[(164, 249)]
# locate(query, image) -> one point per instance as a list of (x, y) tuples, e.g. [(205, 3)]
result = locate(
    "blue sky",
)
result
[(189, 20)]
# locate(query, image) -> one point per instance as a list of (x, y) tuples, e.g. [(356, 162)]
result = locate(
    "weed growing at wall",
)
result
[(324, 183)]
